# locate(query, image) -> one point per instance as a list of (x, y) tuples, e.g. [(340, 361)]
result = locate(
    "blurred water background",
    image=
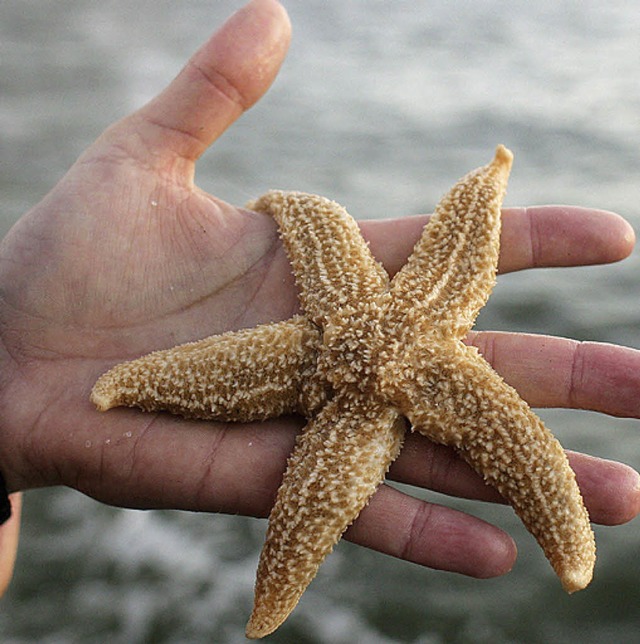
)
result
[(380, 105)]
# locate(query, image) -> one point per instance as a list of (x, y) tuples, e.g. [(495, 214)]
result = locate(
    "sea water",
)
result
[(381, 106)]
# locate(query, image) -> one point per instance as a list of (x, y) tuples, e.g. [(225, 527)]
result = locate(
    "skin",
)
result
[(126, 255)]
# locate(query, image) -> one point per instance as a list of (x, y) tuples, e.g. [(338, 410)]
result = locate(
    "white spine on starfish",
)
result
[(338, 462), (245, 375)]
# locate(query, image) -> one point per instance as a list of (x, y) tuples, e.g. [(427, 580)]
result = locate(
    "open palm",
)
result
[(126, 255)]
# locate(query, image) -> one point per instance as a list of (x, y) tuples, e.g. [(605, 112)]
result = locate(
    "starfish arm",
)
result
[(451, 272), (244, 375), (338, 462), (454, 397), (331, 261)]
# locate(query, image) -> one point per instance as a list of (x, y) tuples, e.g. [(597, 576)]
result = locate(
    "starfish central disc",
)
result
[(353, 342)]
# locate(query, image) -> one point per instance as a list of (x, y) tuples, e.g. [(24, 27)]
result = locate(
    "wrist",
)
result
[(9, 537), (5, 502)]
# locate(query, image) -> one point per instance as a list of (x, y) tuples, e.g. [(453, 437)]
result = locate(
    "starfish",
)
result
[(367, 355)]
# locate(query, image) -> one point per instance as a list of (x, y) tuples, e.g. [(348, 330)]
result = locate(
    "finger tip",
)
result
[(634, 494), (272, 15), (611, 489), (628, 238), (501, 555), (276, 8), (488, 551), (251, 46), (618, 234)]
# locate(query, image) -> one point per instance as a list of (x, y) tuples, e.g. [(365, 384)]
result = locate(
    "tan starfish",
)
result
[(366, 354)]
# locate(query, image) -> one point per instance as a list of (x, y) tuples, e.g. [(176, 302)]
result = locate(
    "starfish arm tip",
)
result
[(101, 398), (574, 580), (258, 628), (503, 156)]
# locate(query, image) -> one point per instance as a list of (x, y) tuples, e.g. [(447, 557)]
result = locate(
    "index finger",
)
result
[(535, 237)]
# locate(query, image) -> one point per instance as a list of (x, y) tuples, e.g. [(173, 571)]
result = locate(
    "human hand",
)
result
[(126, 255)]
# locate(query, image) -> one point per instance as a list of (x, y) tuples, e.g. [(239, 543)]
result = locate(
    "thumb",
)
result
[(225, 77)]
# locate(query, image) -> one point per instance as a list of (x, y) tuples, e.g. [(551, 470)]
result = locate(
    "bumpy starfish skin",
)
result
[(366, 355), (245, 375)]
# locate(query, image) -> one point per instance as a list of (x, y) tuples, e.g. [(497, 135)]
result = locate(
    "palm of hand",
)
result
[(118, 260)]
